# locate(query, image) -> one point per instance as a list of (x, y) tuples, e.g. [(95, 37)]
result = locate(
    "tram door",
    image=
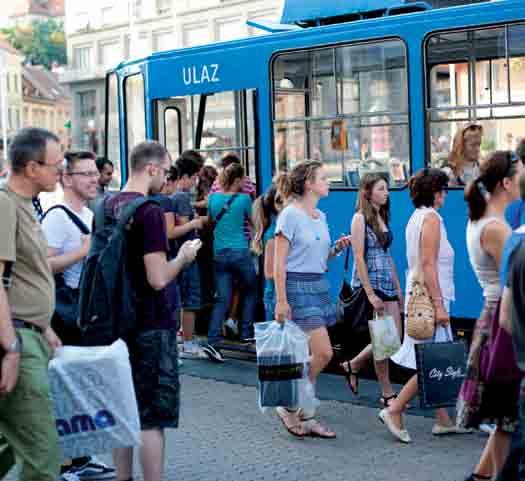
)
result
[(213, 124)]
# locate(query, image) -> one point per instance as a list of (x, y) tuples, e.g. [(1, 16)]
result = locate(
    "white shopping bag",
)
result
[(385, 338), (283, 363), (94, 399)]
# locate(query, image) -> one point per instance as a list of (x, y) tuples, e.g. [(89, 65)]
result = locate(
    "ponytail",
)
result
[(262, 212), (498, 166), (229, 174), (476, 196)]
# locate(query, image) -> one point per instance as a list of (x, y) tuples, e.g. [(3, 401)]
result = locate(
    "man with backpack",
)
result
[(67, 228), (27, 422), (130, 235)]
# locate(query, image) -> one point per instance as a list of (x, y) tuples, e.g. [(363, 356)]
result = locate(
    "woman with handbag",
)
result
[(479, 401), (302, 251), (430, 264), (375, 273)]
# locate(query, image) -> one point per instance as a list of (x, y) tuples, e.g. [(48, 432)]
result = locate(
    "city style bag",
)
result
[(497, 358), (441, 369), (353, 307), (420, 315)]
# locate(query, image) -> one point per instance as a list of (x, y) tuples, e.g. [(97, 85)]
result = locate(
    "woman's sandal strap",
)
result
[(479, 476)]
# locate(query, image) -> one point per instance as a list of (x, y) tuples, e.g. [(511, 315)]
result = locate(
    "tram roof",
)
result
[(369, 22)]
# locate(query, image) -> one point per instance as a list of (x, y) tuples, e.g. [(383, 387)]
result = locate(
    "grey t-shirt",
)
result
[(309, 240)]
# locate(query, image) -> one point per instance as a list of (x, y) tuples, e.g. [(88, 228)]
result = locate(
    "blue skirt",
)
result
[(309, 299)]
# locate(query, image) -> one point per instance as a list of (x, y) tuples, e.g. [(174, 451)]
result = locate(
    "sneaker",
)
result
[(487, 428), (439, 430), (68, 476), (192, 350), (232, 326), (93, 470), (213, 353)]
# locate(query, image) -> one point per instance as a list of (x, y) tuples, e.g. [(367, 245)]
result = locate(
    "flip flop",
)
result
[(314, 429), (284, 415), (349, 374)]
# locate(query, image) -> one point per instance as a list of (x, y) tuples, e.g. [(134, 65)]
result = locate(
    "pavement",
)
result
[(224, 436)]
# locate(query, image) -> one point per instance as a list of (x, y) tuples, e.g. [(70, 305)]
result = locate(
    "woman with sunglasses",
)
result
[(463, 162), (487, 230)]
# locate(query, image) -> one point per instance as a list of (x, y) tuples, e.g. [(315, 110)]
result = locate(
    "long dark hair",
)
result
[(263, 211), (364, 204), (500, 165)]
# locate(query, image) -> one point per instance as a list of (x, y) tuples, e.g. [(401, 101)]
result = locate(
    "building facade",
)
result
[(22, 12), (102, 33), (11, 86), (46, 103)]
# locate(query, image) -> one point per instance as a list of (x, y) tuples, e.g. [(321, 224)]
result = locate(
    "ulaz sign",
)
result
[(195, 75)]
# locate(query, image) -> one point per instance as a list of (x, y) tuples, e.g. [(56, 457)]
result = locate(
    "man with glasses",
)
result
[(27, 299), (68, 245)]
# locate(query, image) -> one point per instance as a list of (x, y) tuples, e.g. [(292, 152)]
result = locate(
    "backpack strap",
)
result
[(129, 210), (82, 227), (224, 209), (8, 265)]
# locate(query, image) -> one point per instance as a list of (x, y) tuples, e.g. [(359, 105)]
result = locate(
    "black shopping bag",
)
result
[(441, 368)]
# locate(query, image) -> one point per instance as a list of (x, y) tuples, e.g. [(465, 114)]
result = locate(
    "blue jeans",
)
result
[(230, 264)]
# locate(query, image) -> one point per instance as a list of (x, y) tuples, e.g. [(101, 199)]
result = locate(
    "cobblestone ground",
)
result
[(224, 437)]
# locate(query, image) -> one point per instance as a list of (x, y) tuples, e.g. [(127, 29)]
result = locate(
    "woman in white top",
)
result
[(426, 238), (488, 197)]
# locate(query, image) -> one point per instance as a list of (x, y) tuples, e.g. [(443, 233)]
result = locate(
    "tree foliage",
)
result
[(41, 42)]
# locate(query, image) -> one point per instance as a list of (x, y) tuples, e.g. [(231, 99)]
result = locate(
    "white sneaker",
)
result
[(191, 350), (440, 430), (232, 326)]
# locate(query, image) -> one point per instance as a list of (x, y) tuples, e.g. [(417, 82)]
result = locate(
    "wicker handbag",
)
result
[(421, 316)]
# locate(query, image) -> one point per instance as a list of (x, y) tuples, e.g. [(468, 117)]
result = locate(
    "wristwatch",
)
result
[(16, 346)]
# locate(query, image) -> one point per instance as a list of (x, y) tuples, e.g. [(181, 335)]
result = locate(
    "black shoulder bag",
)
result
[(354, 310), (223, 211), (64, 321)]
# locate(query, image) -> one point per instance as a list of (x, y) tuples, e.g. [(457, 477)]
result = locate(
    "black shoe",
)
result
[(213, 353), (93, 470)]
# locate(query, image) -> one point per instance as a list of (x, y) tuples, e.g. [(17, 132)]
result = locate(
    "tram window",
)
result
[(475, 77), (171, 131), (135, 110), (113, 129), (227, 127), (346, 106)]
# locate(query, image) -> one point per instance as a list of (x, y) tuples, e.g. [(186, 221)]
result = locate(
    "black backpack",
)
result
[(108, 300)]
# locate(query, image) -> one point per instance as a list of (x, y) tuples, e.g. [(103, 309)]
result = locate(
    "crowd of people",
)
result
[(197, 231)]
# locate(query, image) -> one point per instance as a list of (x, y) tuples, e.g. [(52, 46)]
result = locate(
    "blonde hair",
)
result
[(456, 159)]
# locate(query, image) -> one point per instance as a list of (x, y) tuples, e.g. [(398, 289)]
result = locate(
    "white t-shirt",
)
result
[(64, 236)]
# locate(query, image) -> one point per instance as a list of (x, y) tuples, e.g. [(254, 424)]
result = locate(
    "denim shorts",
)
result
[(309, 299), (190, 287), (154, 364)]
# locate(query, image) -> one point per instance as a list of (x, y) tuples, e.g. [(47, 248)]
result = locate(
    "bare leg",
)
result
[(500, 449), (321, 352), (123, 460), (398, 406), (188, 325), (442, 417), (485, 466), (382, 367), (152, 454)]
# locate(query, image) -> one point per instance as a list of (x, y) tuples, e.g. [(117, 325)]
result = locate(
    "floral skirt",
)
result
[(479, 402)]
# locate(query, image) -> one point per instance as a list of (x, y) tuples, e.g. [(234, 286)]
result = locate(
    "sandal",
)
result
[(314, 429), (291, 422), (385, 400), (351, 375)]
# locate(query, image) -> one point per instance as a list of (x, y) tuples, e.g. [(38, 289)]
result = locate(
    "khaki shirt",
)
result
[(31, 295)]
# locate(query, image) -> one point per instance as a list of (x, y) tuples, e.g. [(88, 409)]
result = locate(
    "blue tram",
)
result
[(376, 86)]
